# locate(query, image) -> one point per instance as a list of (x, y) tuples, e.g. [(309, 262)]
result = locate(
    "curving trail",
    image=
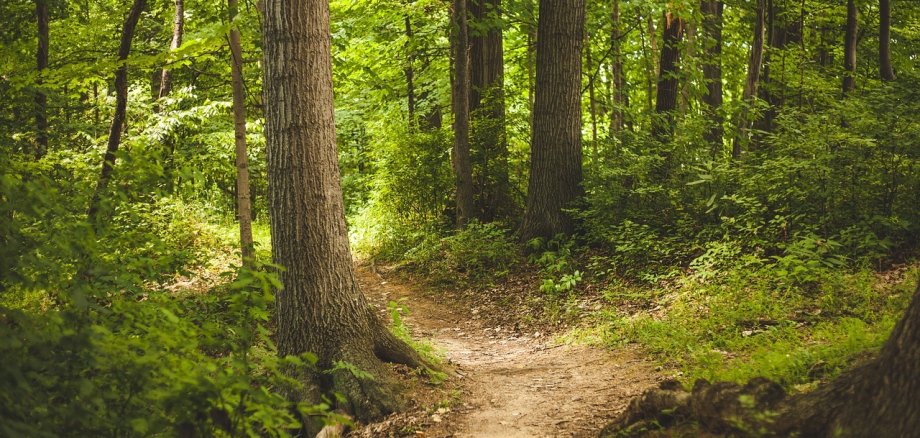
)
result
[(515, 385)]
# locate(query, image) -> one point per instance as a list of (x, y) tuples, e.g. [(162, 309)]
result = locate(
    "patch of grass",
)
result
[(429, 353), (743, 325)]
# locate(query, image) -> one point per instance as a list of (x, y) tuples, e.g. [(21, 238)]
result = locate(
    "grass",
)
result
[(746, 324)]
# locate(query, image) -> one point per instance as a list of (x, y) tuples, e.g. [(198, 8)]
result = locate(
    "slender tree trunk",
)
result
[(178, 30), (41, 99), (463, 172), (752, 81), (410, 74), (243, 201), (555, 147), (320, 309), (849, 49), (616, 72), (668, 85), (884, 41), (487, 111), (648, 57), (121, 107), (592, 95), (653, 40), (712, 70)]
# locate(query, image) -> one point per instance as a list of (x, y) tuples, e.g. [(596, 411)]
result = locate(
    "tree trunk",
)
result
[(849, 49), (178, 30), (460, 98), (666, 98), (41, 99), (884, 41), (617, 121), (121, 107), (320, 309), (243, 201), (555, 147), (878, 399), (487, 111), (752, 81), (410, 74), (712, 70)]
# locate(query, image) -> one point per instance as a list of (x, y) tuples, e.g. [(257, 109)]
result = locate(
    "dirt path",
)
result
[(516, 385)]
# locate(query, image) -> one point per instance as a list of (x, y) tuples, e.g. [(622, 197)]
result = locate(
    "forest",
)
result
[(459, 218)]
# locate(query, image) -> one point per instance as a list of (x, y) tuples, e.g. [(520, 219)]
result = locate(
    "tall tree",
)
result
[(752, 81), (243, 201), (712, 70), (668, 87), (121, 107), (460, 99), (41, 99), (617, 77), (178, 30), (555, 146), (487, 111), (884, 41), (320, 309), (849, 48)]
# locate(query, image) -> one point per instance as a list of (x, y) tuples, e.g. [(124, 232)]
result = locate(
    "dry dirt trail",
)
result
[(513, 384)]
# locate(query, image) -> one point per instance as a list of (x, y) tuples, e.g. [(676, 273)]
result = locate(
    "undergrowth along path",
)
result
[(514, 384)]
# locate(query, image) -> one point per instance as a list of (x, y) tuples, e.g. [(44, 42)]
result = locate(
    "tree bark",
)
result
[(41, 99), (752, 81), (178, 30), (555, 147), (849, 49), (320, 309), (617, 121), (879, 399), (666, 98), (121, 106), (460, 98), (487, 112), (243, 201), (884, 41), (712, 71)]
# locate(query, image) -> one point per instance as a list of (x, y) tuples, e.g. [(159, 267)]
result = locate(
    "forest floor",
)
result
[(503, 382)]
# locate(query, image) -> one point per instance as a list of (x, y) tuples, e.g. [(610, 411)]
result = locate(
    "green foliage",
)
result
[(556, 263), (474, 255), (428, 351)]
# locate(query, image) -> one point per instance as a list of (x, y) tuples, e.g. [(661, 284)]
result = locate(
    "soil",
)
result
[(504, 382)]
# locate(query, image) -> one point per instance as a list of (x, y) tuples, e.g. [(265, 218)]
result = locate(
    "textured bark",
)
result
[(617, 77), (555, 147), (487, 113), (712, 70), (121, 107), (41, 99), (752, 81), (668, 85), (460, 100), (178, 31), (884, 41), (879, 399), (243, 201), (320, 309), (849, 48)]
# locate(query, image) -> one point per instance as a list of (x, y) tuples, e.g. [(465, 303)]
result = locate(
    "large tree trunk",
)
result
[(849, 49), (668, 86), (121, 107), (878, 399), (555, 147), (178, 29), (487, 111), (619, 98), (884, 41), (460, 98), (712, 71), (41, 99), (320, 309), (750, 84), (243, 201)]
